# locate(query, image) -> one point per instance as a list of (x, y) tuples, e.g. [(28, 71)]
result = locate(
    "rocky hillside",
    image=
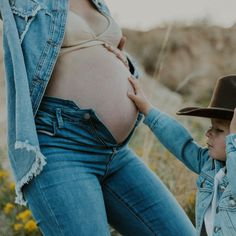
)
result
[(185, 57)]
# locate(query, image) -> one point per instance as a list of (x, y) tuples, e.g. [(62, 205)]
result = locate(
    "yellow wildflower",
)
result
[(3, 174), (12, 186), (191, 199), (30, 226), (24, 216), (8, 208), (18, 227)]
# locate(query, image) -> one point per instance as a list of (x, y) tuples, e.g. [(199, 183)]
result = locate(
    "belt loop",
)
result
[(59, 118)]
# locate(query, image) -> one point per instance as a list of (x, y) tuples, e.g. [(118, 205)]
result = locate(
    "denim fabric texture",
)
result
[(33, 32), (178, 140), (90, 181)]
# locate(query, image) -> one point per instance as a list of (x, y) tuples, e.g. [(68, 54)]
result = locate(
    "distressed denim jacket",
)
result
[(180, 143), (33, 32)]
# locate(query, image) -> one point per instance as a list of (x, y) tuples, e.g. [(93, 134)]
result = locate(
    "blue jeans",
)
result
[(90, 181)]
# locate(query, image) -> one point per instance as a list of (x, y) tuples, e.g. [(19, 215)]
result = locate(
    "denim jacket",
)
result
[(180, 143), (33, 32)]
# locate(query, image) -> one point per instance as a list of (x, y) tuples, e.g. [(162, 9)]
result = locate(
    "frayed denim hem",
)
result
[(35, 169)]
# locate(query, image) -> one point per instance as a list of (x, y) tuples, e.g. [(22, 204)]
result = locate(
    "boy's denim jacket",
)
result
[(33, 32), (178, 141)]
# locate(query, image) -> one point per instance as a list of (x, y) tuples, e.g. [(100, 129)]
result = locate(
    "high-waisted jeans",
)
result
[(90, 181)]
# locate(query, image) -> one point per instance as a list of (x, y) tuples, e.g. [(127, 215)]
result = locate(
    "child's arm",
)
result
[(231, 155), (169, 132)]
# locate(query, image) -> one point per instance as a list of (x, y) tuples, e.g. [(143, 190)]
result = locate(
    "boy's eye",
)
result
[(216, 130), (219, 130)]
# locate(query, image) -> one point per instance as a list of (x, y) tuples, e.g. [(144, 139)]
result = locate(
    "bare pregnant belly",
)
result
[(95, 78)]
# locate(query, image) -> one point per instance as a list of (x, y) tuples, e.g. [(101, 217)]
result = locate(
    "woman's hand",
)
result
[(118, 51), (122, 42), (139, 97), (233, 123)]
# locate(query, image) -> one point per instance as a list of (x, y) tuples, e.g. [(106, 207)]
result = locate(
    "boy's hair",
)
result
[(222, 104)]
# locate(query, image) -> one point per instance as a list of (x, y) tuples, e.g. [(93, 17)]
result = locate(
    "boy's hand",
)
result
[(139, 97), (233, 123)]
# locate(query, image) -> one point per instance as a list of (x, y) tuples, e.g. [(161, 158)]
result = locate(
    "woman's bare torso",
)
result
[(95, 78)]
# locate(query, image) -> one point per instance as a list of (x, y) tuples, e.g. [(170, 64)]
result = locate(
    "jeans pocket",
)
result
[(46, 132), (46, 124)]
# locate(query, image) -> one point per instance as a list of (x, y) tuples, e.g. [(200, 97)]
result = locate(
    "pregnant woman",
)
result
[(70, 122)]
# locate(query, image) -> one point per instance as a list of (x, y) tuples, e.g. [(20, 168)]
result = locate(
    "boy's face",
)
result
[(216, 135)]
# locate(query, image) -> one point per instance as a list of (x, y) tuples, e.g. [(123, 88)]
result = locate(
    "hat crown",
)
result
[(224, 94), (222, 104)]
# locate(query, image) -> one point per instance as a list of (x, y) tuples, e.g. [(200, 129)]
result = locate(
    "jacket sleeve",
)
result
[(231, 161), (177, 139)]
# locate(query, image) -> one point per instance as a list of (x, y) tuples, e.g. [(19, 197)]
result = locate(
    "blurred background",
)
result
[(181, 48)]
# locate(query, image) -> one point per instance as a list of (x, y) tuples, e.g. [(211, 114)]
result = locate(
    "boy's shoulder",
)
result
[(209, 170)]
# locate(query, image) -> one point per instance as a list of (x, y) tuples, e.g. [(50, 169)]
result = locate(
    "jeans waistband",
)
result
[(49, 102), (53, 104)]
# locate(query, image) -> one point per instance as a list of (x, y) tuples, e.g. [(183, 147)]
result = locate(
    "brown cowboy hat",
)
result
[(222, 103)]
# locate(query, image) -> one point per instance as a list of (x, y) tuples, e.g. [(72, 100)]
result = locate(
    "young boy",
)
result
[(215, 164)]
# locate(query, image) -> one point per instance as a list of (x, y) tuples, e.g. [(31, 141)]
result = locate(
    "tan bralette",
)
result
[(79, 35)]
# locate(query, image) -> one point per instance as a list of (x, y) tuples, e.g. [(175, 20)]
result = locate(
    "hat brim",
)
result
[(210, 112)]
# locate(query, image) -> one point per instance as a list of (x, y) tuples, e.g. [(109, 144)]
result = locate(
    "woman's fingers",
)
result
[(118, 54), (123, 58), (107, 46), (122, 43)]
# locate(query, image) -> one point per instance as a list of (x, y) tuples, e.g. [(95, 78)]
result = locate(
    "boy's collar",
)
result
[(216, 164)]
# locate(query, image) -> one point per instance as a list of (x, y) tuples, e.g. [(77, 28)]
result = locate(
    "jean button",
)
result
[(87, 116), (232, 202)]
